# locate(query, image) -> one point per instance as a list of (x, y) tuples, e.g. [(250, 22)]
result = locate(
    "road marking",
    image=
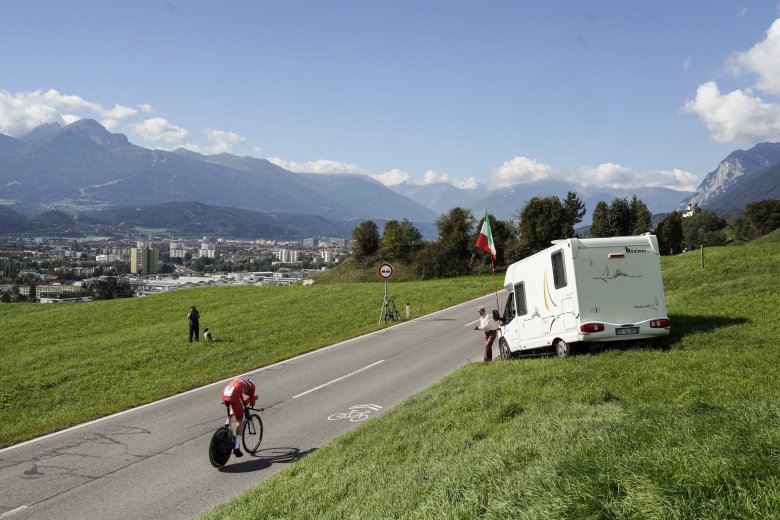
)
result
[(356, 413), (338, 379), (13, 511)]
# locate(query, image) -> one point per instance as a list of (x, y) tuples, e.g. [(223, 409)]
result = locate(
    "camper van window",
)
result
[(509, 308), (559, 270), (520, 299)]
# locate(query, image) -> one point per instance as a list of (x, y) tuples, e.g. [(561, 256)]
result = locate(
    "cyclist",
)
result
[(239, 393)]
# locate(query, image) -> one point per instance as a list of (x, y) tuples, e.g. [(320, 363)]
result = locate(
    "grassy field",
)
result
[(74, 363), (691, 431)]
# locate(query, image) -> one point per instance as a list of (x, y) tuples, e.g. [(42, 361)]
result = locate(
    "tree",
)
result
[(111, 288), (669, 233), (573, 211), (365, 241), (451, 254), (621, 218), (763, 216), (598, 228), (401, 241), (702, 228), (541, 222), (641, 218), (455, 230), (619, 223)]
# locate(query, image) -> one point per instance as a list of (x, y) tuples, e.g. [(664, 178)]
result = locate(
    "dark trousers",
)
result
[(490, 337), (194, 331)]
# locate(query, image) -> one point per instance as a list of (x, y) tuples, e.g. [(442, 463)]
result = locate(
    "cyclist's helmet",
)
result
[(250, 386)]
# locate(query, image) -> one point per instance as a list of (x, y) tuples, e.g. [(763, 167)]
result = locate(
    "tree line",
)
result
[(538, 223)]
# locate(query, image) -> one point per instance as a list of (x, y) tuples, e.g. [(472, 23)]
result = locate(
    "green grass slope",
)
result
[(77, 362), (688, 431)]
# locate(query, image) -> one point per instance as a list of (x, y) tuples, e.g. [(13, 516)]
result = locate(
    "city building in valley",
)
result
[(144, 259)]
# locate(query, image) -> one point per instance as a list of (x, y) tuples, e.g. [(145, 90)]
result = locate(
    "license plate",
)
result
[(627, 330)]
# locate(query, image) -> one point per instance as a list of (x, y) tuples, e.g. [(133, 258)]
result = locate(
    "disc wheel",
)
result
[(220, 447), (253, 434)]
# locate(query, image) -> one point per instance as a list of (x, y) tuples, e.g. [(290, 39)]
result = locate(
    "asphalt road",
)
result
[(152, 461)]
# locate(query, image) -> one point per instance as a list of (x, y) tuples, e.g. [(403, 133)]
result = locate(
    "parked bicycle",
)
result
[(390, 313), (222, 441)]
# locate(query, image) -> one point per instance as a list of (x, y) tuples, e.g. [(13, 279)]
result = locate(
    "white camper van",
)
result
[(584, 291)]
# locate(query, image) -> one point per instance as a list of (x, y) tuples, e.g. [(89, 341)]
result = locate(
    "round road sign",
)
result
[(386, 271)]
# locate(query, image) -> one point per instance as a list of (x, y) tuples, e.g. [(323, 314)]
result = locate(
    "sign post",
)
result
[(386, 272)]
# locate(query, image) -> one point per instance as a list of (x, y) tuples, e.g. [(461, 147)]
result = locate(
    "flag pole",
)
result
[(485, 242)]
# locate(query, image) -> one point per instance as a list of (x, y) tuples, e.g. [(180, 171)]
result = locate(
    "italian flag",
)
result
[(485, 238)]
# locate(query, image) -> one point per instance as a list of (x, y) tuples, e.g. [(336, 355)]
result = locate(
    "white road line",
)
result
[(338, 379), (13, 511)]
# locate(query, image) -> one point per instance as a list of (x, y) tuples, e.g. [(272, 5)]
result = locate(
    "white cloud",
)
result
[(615, 176), (763, 60), (221, 142), (687, 64), (607, 174), (431, 177), (119, 112), (392, 177), (23, 111), (742, 115), (674, 179), (110, 124), (520, 170), (158, 130), (738, 116), (323, 166)]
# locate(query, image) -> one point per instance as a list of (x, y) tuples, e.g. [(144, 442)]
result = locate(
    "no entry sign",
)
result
[(386, 271)]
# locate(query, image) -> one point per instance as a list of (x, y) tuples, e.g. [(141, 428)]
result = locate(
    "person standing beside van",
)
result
[(488, 326)]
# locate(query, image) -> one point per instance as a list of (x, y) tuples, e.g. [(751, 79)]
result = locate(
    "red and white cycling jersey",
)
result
[(239, 393)]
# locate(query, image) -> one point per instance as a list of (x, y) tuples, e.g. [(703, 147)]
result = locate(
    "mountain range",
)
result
[(94, 177), (742, 177)]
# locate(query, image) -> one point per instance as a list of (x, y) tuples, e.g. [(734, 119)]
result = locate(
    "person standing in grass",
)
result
[(194, 318), (488, 326)]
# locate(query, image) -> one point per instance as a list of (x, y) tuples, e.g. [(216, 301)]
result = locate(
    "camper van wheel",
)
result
[(503, 348), (562, 349)]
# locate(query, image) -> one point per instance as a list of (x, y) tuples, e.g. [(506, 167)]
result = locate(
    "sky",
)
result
[(482, 95)]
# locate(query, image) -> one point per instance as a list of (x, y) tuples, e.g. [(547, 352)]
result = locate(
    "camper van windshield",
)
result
[(559, 270)]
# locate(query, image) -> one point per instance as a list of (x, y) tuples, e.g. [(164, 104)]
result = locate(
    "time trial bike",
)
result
[(223, 440)]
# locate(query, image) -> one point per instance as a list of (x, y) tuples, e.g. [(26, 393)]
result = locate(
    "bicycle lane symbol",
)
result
[(356, 412)]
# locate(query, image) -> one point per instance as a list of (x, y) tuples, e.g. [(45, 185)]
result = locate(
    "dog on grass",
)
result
[(207, 334)]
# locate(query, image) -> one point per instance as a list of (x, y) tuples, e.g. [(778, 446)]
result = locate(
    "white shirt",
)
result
[(486, 323)]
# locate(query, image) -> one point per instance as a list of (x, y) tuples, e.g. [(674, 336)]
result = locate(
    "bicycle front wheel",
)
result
[(253, 434)]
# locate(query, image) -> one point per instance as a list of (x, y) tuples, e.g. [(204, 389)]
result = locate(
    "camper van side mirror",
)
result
[(496, 315)]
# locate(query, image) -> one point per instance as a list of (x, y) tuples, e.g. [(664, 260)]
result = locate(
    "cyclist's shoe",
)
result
[(237, 452)]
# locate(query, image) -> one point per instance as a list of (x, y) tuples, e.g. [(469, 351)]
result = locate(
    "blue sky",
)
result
[(474, 93)]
